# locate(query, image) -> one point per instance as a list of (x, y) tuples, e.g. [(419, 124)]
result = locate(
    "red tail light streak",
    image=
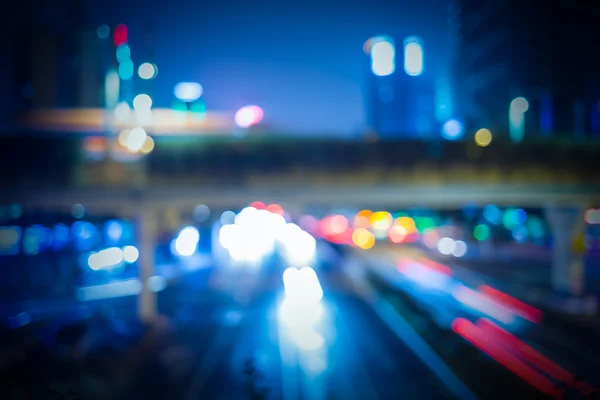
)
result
[(518, 307), (479, 338)]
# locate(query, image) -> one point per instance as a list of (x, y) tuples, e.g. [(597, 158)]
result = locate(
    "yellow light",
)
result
[(123, 136), (363, 238), (381, 220), (483, 137), (148, 145), (407, 223)]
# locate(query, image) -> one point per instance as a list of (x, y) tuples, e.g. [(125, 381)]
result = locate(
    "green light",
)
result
[(198, 107), (424, 223), (179, 106), (126, 70), (481, 232)]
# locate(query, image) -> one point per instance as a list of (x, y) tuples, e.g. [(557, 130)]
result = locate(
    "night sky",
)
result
[(302, 62)]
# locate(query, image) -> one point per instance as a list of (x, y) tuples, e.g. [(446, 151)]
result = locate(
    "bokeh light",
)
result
[(247, 116), (147, 71), (363, 238), (148, 145), (136, 139), (77, 211), (452, 129), (481, 232), (383, 57), (142, 102), (122, 112), (103, 31), (397, 234), (483, 137), (120, 35), (407, 223), (123, 53), (188, 91), (413, 56), (519, 105), (130, 254), (381, 220), (126, 70), (201, 212)]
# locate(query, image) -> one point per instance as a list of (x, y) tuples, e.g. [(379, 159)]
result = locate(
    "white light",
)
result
[(383, 58), (187, 241), (446, 245), (413, 57), (130, 254), (302, 285), (142, 102), (519, 105), (299, 247), (147, 71), (156, 283), (247, 116), (122, 112), (309, 340), (113, 256), (188, 91), (460, 248), (299, 315), (135, 139), (248, 216), (229, 235)]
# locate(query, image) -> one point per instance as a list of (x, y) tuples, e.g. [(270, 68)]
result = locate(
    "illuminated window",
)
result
[(413, 57)]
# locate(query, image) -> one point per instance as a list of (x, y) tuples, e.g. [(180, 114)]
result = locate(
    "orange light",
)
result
[(363, 238), (275, 209), (397, 234), (362, 222), (407, 223)]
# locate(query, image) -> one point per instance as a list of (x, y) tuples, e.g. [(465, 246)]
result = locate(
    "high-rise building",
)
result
[(401, 96), (543, 52)]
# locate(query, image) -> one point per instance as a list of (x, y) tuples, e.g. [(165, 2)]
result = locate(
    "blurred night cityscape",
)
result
[(284, 200)]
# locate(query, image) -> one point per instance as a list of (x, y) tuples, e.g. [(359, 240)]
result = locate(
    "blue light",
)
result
[(126, 70), (452, 129), (413, 57), (123, 53), (383, 57), (520, 216), (85, 235), (520, 233), (61, 236), (492, 214), (113, 232)]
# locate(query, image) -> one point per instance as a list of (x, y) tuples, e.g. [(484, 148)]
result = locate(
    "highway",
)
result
[(224, 333)]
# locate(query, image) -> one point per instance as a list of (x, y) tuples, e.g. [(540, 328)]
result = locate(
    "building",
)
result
[(543, 52), (401, 97)]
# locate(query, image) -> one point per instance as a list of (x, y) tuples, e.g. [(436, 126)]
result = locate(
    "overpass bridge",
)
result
[(55, 172), (59, 170)]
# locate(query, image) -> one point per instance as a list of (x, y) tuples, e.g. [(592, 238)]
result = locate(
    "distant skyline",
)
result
[(303, 64)]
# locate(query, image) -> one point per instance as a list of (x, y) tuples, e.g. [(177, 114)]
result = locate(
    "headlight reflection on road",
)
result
[(301, 314)]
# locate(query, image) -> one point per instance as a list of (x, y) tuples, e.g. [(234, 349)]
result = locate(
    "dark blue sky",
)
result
[(301, 61)]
